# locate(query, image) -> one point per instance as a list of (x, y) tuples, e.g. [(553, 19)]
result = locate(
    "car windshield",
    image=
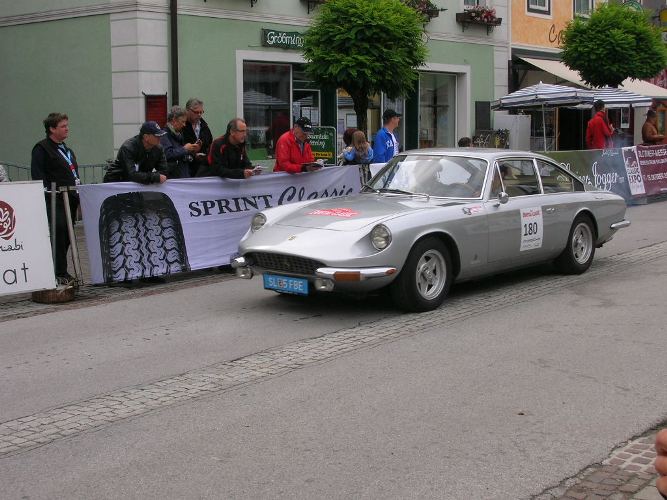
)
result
[(445, 176)]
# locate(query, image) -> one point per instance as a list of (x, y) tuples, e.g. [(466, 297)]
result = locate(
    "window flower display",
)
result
[(424, 7)]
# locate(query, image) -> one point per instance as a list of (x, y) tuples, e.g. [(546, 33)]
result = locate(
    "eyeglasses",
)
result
[(242, 130), (196, 112)]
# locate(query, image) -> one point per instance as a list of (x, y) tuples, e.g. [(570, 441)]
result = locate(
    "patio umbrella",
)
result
[(619, 98), (544, 95)]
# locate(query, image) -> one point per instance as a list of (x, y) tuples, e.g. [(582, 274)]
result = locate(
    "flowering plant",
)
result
[(424, 7), (482, 13)]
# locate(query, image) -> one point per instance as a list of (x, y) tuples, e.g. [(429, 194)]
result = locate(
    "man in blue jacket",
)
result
[(385, 146)]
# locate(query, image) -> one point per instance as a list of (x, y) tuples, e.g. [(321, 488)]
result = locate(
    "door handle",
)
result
[(550, 210)]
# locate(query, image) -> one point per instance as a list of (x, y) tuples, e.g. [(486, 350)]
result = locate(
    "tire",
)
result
[(425, 278), (140, 237), (580, 250)]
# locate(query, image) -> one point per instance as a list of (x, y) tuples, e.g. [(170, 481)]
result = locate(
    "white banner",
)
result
[(26, 263), (134, 231)]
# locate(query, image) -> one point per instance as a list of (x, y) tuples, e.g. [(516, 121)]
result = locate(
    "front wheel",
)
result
[(578, 254), (425, 278)]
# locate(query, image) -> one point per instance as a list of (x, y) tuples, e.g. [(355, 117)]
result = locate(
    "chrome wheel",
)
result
[(431, 274), (582, 243)]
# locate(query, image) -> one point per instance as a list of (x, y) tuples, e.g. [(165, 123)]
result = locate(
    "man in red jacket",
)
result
[(293, 153), (599, 130)]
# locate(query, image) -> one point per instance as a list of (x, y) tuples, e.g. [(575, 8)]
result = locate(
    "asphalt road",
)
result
[(516, 383)]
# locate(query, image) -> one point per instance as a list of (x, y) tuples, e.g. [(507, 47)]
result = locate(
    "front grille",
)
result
[(284, 263)]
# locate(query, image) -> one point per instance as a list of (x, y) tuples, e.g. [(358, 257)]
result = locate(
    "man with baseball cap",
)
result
[(385, 146), (293, 152), (140, 158)]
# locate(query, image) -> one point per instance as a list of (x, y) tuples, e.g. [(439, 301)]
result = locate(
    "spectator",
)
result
[(650, 133), (53, 161), (465, 142), (196, 129), (179, 155), (140, 158), (347, 141), (385, 146), (293, 153), (227, 156), (661, 462), (360, 153), (4, 176), (599, 130)]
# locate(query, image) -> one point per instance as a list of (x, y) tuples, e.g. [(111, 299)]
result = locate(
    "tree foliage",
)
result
[(365, 47), (615, 43)]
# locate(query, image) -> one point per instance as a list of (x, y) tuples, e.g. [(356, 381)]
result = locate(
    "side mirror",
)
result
[(503, 197)]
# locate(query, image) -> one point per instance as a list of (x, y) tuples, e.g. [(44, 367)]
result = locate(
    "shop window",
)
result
[(437, 110), (266, 106), (583, 7), (473, 3), (540, 6)]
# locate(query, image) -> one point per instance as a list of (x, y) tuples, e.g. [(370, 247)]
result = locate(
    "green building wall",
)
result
[(62, 66)]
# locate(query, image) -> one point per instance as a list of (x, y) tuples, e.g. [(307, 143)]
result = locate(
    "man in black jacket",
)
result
[(196, 129), (53, 161), (228, 157), (140, 158)]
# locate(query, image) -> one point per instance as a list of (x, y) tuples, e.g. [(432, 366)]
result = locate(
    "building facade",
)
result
[(111, 64)]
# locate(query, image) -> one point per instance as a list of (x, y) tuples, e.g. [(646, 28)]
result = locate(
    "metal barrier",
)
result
[(89, 174)]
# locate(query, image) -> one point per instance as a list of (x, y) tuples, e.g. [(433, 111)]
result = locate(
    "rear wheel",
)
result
[(580, 250), (425, 278)]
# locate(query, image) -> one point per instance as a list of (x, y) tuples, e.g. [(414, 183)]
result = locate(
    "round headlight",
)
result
[(380, 237), (258, 221)]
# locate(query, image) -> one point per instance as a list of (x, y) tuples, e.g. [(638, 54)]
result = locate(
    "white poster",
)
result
[(26, 263), (135, 231), (531, 228), (635, 180)]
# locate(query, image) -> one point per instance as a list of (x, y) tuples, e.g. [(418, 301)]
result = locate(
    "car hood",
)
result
[(350, 213)]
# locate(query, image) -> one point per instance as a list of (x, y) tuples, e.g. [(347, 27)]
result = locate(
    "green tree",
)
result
[(365, 47), (615, 43)]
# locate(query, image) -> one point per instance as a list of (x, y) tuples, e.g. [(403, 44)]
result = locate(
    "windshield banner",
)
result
[(134, 231)]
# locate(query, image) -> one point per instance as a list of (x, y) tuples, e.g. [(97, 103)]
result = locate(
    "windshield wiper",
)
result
[(392, 190), (368, 186)]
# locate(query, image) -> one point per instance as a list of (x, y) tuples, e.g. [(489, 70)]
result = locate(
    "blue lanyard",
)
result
[(67, 155)]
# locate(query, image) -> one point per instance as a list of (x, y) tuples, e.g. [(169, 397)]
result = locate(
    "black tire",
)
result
[(580, 250), (426, 277), (140, 237)]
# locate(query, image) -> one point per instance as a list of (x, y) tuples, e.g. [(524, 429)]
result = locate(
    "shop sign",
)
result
[(323, 143), (282, 39)]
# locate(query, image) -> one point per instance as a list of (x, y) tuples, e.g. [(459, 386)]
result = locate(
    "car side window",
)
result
[(519, 177), (556, 180)]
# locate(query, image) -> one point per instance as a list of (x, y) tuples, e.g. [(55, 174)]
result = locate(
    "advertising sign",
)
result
[(323, 143), (26, 263), (135, 231), (282, 39)]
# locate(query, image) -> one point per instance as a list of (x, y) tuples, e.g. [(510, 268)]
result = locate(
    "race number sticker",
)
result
[(531, 228)]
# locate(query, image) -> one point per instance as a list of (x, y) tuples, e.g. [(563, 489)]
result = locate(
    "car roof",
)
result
[(485, 153)]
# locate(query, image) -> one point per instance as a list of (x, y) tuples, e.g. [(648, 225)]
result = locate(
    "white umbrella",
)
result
[(618, 98), (541, 95)]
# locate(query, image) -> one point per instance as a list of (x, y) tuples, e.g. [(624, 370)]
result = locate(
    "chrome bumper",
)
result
[(620, 225)]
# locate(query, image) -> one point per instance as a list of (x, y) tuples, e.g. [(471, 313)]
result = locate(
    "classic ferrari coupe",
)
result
[(429, 218)]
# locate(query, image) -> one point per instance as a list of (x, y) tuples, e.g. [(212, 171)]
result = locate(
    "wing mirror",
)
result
[(503, 197)]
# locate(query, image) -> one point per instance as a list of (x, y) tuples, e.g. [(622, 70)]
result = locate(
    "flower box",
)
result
[(473, 17)]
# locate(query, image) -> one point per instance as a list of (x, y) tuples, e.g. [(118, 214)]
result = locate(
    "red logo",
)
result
[(7, 221), (335, 212)]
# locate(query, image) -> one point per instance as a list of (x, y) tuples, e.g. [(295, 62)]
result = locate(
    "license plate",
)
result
[(285, 284)]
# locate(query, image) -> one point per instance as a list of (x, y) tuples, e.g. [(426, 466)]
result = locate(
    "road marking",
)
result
[(31, 431)]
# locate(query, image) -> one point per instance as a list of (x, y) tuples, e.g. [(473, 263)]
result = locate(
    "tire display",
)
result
[(140, 237)]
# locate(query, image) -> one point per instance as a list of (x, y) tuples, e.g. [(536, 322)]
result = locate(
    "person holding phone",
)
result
[(227, 157)]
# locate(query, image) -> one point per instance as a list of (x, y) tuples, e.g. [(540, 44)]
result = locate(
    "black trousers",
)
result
[(61, 233)]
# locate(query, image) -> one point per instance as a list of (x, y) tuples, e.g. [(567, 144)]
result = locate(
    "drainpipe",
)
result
[(173, 25)]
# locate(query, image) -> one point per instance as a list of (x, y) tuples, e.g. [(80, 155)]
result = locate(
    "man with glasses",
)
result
[(196, 129), (227, 156), (179, 154)]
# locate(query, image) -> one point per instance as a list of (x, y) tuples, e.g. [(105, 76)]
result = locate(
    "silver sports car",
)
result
[(429, 218)]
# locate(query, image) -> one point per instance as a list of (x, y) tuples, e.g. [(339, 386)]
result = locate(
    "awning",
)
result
[(559, 69)]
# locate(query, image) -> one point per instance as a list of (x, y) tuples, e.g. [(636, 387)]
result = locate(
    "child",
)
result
[(361, 152)]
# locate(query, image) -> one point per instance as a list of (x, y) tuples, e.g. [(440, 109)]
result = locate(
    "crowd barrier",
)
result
[(137, 231)]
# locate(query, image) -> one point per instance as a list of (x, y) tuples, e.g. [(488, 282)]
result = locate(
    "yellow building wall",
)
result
[(538, 30)]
